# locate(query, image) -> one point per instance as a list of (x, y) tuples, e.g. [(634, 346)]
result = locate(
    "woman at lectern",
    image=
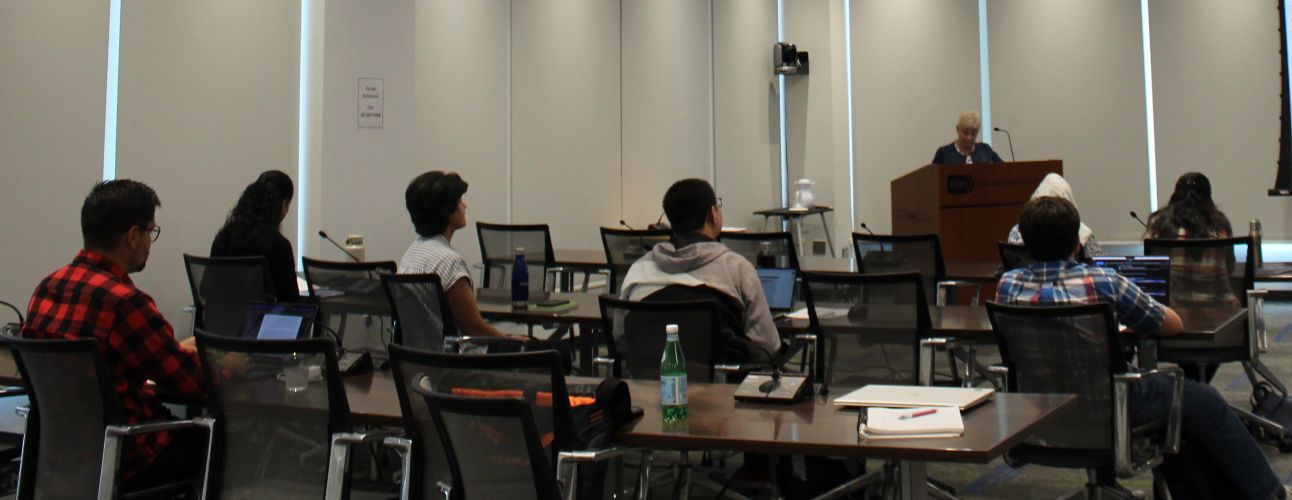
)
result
[(966, 148), (252, 228)]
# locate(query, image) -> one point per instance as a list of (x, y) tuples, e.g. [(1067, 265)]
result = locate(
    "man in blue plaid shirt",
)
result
[(1049, 227)]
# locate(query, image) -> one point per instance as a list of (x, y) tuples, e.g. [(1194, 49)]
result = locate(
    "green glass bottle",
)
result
[(672, 378)]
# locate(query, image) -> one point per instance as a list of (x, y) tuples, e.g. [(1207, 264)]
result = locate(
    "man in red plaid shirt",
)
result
[(94, 297)]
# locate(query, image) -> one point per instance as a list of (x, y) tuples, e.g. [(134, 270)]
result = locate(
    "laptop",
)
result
[(279, 321), (778, 286), (910, 396), (1151, 273)]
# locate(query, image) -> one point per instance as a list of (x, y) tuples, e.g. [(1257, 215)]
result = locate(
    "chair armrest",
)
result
[(567, 471), (22, 410), (1121, 417), (941, 297), (606, 361), (1000, 372), (339, 461), (1257, 340), (113, 435), (190, 309)]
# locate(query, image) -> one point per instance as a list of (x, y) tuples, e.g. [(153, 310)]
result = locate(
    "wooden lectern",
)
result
[(970, 207)]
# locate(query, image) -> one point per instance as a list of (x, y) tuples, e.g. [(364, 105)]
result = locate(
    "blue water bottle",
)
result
[(519, 281)]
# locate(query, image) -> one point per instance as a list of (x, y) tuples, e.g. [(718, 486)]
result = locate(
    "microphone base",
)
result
[(791, 389)]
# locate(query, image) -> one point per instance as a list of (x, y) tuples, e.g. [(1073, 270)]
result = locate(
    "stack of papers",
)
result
[(911, 423), (821, 313)]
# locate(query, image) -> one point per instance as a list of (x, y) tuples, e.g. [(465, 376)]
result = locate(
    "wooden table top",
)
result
[(495, 304), (817, 427)]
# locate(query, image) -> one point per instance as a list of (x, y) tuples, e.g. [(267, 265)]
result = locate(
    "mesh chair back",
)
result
[(921, 253), (1064, 350), (634, 335), (72, 400), (623, 248), (536, 377), (421, 310), (749, 245), (494, 446), (1013, 256), (869, 326), (223, 286), (498, 243), (273, 443)]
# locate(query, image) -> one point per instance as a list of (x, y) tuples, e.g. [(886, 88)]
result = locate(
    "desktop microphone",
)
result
[(868, 231), (770, 385), (1011, 141), (323, 234), (625, 224), (1137, 219), (659, 223)]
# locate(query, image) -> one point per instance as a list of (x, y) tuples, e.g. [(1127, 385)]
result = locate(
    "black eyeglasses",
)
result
[(153, 232)]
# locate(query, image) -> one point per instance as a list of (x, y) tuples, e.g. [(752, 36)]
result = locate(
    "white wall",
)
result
[(908, 88), (565, 117), (1067, 79), (208, 100), (52, 88), (1216, 101), (463, 96), (667, 101), (364, 171), (746, 122)]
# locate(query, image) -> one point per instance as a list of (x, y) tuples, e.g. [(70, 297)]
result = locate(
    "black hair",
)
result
[(280, 181), (1050, 227), (431, 198), (112, 208), (687, 203), (1190, 209), (256, 217)]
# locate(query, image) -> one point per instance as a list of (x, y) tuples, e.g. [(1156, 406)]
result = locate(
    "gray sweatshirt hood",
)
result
[(673, 260)]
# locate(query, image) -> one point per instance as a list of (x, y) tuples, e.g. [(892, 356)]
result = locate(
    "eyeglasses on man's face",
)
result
[(153, 232)]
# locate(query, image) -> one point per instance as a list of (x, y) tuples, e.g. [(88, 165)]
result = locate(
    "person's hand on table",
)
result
[(188, 345)]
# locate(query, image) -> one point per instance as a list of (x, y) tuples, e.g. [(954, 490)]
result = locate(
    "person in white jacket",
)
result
[(695, 258)]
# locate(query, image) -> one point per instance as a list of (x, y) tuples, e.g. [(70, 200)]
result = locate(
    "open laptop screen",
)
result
[(778, 286), (1151, 273), (282, 321)]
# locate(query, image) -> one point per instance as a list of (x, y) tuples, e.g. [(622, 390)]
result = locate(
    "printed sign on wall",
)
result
[(371, 93)]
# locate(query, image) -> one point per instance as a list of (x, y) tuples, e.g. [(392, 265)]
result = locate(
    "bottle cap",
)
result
[(520, 249), (670, 329)]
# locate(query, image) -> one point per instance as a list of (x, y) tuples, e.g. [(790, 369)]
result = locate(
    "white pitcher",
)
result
[(803, 198)]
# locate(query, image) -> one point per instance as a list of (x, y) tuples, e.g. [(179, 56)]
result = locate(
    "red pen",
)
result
[(917, 414)]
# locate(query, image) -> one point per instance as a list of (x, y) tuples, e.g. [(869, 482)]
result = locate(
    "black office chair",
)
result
[(537, 378), (1013, 256), (1076, 350), (345, 288), (779, 245), (76, 428), (873, 329), (422, 316), (498, 244), (633, 333), (272, 442), (624, 246), (921, 253), (223, 286)]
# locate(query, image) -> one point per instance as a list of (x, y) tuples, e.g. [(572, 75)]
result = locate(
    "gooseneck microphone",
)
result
[(625, 224), (323, 234), (1010, 138), (868, 231), (770, 385), (1137, 219)]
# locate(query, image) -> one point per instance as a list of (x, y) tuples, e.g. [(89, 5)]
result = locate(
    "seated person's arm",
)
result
[(462, 301), (145, 342), (1171, 323)]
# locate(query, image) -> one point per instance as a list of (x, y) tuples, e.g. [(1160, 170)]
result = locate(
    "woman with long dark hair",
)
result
[(252, 228), (1191, 213)]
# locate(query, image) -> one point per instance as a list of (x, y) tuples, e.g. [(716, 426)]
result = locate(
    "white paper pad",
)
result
[(886, 423), (821, 313)]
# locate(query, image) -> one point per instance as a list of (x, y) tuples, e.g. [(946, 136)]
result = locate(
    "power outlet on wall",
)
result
[(818, 247)]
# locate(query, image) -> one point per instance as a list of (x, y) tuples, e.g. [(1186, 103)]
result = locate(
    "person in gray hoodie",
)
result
[(695, 258)]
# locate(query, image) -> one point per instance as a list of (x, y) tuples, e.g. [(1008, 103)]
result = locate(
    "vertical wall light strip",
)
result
[(110, 106), (302, 131), (780, 97), (1148, 107), (713, 122), (984, 71), (510, 40), (847, 75)]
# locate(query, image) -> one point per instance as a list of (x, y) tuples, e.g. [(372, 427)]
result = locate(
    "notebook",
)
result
[(911, 423), (280, 321), (778, 286), (911, 396), (1151, 273)]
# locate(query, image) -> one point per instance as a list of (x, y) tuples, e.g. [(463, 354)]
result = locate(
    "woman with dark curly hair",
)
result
[(252, 228), (1190, 214)]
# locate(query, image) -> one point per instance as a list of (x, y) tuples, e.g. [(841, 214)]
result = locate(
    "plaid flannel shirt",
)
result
[(1069, 283), (93, 297)]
